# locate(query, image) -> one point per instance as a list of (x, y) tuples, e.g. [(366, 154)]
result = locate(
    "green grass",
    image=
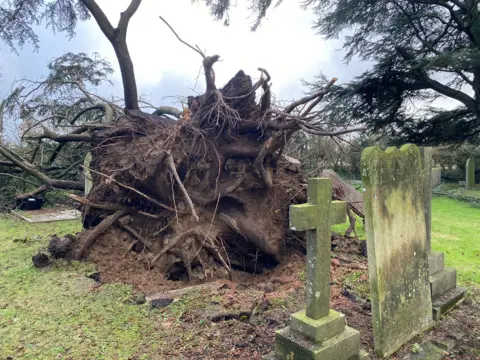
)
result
[(60, 313), (456, 231)]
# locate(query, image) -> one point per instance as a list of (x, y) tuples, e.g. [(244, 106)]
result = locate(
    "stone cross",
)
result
[(318, 332), (316, 217)]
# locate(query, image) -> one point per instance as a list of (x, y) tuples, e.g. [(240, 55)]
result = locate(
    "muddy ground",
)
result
[(236, 318)]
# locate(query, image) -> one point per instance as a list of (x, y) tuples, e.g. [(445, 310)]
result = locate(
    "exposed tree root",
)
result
[(99, 230)]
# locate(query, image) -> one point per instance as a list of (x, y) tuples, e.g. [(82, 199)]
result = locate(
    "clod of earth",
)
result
[(41, 260)]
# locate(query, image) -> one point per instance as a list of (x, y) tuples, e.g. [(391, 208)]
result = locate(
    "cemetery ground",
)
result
[(61, 313)]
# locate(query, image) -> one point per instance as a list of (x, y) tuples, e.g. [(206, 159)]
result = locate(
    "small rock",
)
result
[(363, 247), (241, 344), (224, 287), (167, 324), (242, 287), (159, 303), (335, 262), (95, 276), (266, 287)]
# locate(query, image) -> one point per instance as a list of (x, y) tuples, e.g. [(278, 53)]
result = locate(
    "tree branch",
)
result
[(74, 136), (437, 86), (196, 49), (30, 169), (126, 16), (319, 94), (100, 17), (209, 75)]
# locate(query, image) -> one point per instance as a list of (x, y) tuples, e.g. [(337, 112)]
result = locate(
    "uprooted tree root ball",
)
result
[(212, 189)]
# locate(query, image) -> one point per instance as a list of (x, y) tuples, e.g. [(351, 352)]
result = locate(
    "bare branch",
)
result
[(100, 17), (126, 16), (196, 48), (332, 133), (30, 169), (319, 94), (72, 137), (171, 166)]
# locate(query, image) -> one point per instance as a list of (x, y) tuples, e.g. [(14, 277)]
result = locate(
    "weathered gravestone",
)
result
[(436, 176), (318, 332), (443, 280), (86, 173), (470, 173), (397, 245)]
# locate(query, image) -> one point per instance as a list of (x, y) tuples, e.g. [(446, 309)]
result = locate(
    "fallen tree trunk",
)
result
[(346, 192)]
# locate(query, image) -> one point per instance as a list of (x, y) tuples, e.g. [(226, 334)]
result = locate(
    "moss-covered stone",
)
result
[(397, 245), (318, 330), (316, 217), (289, 345), (443, 281), (436, 262), (448, 301), (470, 173), (427, 162), (87, 175)]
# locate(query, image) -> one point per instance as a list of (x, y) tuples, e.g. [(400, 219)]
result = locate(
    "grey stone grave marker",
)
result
[(443, 280), (470, 173), (318, 332), (397, 245)]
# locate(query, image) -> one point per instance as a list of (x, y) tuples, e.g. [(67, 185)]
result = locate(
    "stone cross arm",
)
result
[(306, 216)]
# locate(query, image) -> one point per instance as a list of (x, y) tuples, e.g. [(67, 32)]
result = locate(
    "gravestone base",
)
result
[(443, 285), (293, 346), (318, 330), (448, 301)]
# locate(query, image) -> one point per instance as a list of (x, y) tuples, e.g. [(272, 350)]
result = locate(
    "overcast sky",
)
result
[(285, 45)]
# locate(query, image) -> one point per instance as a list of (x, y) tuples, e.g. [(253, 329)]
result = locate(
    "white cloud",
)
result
[(285, 45)]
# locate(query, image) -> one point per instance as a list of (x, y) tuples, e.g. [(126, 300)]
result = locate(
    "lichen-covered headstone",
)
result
[(397, 245), (436, 176), (470, 173), (86, 174), (427, 162), (318, 332), (443, 280)]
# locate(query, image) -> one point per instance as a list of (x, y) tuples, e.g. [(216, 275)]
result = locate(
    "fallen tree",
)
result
[(209, 189)]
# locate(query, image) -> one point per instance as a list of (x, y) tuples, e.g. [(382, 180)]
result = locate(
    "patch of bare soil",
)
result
[(246, 310)]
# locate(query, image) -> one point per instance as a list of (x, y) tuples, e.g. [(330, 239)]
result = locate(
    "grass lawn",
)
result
[(456, 232), (62, 314)]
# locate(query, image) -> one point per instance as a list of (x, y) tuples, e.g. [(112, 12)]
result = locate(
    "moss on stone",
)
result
[(397, 246)]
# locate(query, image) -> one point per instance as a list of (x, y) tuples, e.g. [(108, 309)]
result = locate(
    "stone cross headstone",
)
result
[(397, 245), (443, 280), (318, 332), (470, 173)]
